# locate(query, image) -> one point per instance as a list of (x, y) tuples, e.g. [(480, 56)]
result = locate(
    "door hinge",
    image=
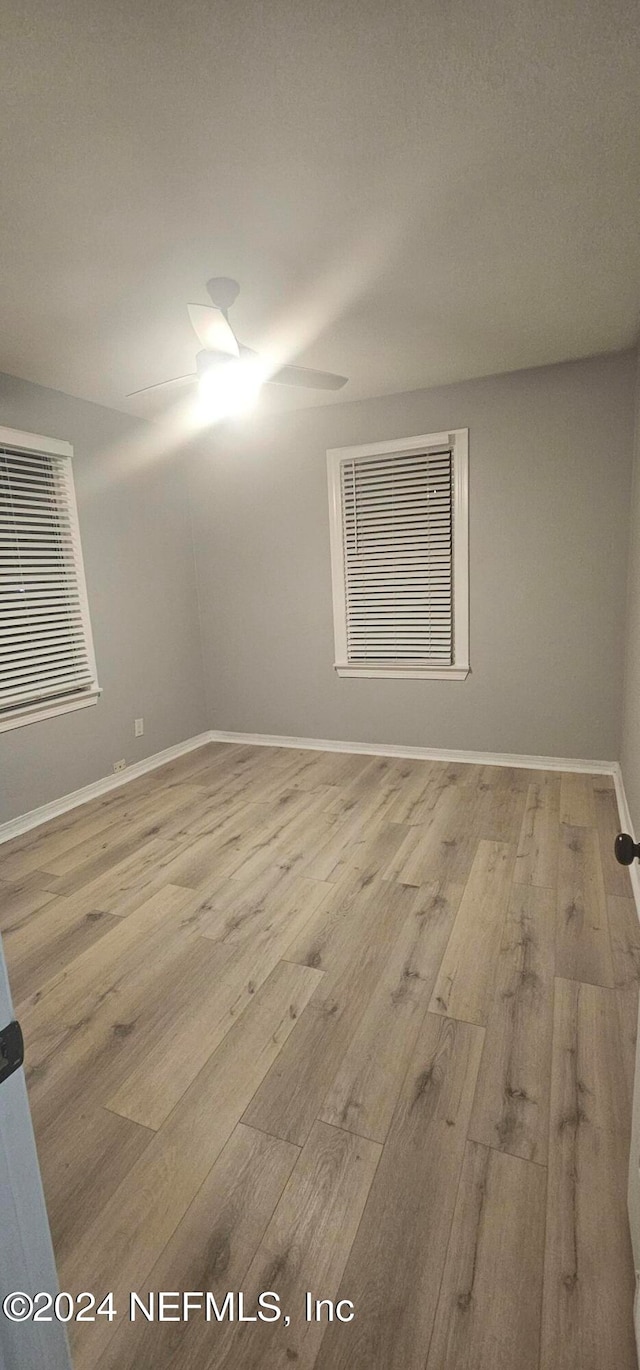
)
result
[(11, 1050)]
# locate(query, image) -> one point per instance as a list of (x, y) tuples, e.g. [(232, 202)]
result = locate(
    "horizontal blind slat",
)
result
[(54, 689)]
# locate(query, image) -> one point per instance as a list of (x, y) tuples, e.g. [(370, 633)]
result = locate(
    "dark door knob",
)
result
[(627, 851)]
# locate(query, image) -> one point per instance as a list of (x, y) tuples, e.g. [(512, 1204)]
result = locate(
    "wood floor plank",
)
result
[(364, 1093), (588, 1274), (118, 1029), (371, 856), (195, 764), (136, 823), (161, 1075), (153, 1016), (291, 772), (304, 1248), (382, 772), (30, 840), (303, 769), (293, 835), (616, 877), (335, 931), (204, 765), (203, 860), (339, 769), (18, 902), (50, 940), (511, 1106), (444, 847), (211, 1249), (272, 910), (246, 891), (252, 778), (416, 795), (126, 883), (577, 808), (624, 928), (49, 841), (583, 948), (394, 1270), (410, 854), (56, 1011), (73, 826), (292, 1094), (99, 861), (489, 1307), (119, 1250), (158, 1070), (513, 778), (347, 830), (501, 802), (66, 862), (538, 844), (84, 1156), (173, 851), (464, 987)]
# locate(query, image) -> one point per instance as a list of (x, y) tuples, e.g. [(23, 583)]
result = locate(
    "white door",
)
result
[(634, 1187), (27, 1265)]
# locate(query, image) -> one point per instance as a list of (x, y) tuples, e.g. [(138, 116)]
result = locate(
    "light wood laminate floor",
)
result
[(358, 1026)]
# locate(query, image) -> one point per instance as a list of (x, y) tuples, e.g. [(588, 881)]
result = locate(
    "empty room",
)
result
[(319, 685)]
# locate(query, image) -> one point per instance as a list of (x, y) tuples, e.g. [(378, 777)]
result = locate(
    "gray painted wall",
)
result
[(138, 552), (630, 749), (550, 470)]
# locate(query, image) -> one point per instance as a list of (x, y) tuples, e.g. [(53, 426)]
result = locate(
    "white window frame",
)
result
[(458, 440), (33, 712)]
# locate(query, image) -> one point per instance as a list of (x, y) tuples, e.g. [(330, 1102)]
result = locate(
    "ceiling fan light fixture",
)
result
[(228, 389)]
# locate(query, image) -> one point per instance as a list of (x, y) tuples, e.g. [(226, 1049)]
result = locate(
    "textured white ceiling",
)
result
[(409, 192)]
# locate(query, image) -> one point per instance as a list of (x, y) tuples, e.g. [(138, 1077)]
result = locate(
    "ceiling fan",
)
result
[(226, 365)]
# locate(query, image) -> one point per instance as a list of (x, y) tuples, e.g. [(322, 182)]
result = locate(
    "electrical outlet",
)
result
[(119, 765), (138, 724)]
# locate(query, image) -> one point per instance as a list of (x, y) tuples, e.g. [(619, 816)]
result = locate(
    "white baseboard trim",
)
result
[(626, 825), (15, 826), (24, 822), (533, 763)]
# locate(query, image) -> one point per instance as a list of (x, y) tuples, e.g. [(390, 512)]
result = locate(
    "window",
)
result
[(399, 557), (47, 664)]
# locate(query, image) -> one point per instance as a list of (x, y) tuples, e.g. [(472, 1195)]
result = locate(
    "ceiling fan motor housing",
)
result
[(205, 361), (222, 290)]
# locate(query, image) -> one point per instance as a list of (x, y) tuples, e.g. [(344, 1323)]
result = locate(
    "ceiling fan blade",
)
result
[(213, 329), (162, 385), (305, 375)]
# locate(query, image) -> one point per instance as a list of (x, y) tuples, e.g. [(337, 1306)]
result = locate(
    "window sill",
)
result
[(403, 672), (33, 713)]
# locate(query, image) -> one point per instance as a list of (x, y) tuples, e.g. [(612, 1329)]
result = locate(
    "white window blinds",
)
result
[(398, 566), (46, 651), (399, 557)]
